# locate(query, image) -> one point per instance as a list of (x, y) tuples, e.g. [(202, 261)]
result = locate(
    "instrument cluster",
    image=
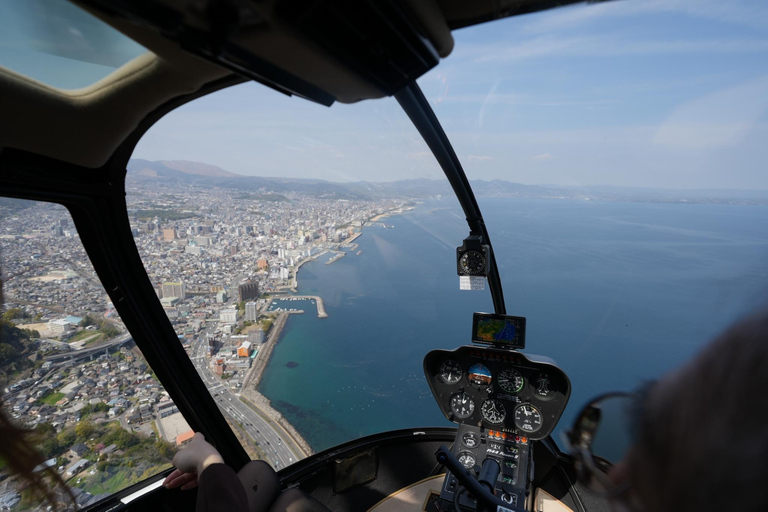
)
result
[(498, 389)]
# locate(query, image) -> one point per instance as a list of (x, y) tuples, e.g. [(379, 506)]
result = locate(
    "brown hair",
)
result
[(704, 435), (19, 453)]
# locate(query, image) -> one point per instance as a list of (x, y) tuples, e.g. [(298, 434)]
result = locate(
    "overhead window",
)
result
[(59, 44)]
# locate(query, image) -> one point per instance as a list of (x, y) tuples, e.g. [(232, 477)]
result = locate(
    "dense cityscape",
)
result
[(217, 258)]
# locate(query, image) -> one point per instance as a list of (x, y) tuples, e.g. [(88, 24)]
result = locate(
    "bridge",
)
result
[(91, 352)]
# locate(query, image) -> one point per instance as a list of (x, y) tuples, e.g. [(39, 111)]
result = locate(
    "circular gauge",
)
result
[(472, 263), (470, 439), (450, 371), (510, 380), (467, 460), (462, 405), (493, 411), (479, 375), (544, 388), (528, 418)]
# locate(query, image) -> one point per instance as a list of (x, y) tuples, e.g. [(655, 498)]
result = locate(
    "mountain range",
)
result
[(185, 173)]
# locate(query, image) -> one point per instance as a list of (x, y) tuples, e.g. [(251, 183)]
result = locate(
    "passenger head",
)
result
[(702, 440)]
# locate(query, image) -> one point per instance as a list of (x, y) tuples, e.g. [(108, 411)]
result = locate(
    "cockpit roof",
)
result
[(293, 46)]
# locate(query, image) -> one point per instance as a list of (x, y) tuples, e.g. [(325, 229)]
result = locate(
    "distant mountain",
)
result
[(171, 168), (198, 169), (184, 173)]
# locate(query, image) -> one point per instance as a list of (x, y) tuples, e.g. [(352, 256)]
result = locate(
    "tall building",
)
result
[(177, 289), (251, 313), (247, 291)]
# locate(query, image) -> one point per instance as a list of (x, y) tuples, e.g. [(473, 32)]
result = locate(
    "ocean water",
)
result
[(616, 293)]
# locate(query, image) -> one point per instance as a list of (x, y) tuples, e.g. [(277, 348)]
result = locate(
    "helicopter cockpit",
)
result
[(160, 280)]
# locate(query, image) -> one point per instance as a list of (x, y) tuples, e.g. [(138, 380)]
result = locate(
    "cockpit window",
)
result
[(69, 369), (307, 258), (59, 44), (617, 152)]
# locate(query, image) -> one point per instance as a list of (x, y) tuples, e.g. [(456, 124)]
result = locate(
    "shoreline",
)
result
[(261, 404), (250, 395)]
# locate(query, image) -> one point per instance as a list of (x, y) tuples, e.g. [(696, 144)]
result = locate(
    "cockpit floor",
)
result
[(412, 498)]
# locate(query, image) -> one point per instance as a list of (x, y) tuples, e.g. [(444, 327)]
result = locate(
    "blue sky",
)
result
[(657, 93)]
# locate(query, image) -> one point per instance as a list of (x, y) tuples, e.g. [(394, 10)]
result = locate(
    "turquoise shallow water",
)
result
[(616, 293)]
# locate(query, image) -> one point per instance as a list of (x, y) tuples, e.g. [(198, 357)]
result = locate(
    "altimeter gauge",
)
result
[(462, 406), (450, 371), (510, 380), (528, 418), (493, 412)]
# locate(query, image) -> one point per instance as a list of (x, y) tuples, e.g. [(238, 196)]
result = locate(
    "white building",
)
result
[(60, 326), (251, 312), (228, 315)]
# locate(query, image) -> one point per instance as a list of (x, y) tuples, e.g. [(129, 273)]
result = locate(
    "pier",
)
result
[(338, 256), (318, 302)]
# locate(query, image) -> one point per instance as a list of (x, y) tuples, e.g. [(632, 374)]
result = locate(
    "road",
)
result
[(270, 438), (276, 450)]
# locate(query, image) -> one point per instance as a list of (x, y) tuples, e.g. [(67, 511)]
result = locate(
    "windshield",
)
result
[(617, 152), (307, 256)]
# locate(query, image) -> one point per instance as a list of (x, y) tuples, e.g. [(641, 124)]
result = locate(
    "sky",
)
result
[(646, 93)]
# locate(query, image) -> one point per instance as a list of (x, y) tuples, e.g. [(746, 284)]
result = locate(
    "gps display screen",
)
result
[(503, 330)]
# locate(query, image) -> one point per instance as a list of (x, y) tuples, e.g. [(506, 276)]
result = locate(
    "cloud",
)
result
[(479, 158), (541, 158), (720, 119)]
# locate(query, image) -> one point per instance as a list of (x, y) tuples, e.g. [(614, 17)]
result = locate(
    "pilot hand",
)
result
[(190, 463)]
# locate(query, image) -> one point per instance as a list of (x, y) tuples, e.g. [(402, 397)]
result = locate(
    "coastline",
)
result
[(250, 395), (261, 404)]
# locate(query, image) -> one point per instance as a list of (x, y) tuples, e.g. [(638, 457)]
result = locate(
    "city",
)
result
[(218, 258)]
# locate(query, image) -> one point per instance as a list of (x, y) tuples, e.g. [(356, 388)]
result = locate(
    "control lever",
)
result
[(481, 491), (489, 472)]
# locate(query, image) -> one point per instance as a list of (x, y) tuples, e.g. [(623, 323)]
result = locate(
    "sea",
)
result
[(617, 293)]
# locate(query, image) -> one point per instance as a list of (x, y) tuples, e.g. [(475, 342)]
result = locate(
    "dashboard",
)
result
[(497, 389), (502, 401)]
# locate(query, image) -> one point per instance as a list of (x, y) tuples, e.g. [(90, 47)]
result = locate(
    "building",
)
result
[(60, 326), (170, 301), (166, 408), (221, 297), (176, 289), (256, 336), (251, 312), (248, 291), (186, 436), (228, 315), (218, 366), (244, 350)]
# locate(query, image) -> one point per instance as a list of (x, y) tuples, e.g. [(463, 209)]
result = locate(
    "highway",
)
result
[(276, 450)]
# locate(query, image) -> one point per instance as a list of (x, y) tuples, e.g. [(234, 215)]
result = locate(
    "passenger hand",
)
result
[(190, 463), (178, 478)]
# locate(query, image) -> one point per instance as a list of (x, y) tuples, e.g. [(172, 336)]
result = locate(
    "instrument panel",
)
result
[(498, 389)]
